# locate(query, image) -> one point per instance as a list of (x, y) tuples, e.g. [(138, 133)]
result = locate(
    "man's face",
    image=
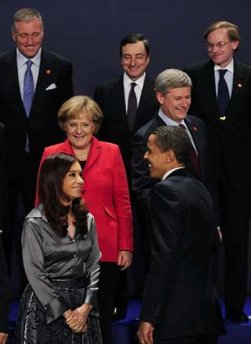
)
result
[(175, 103), (220, 48), (156, 159), (134, 60), (28, 37)]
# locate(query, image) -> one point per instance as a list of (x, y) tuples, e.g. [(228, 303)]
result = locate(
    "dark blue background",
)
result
[(88, 32)]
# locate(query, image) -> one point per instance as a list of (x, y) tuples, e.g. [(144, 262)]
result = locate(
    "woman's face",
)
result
[(73, 181), (79, 131)]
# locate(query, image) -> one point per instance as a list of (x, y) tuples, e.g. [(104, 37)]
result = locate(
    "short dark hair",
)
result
[(134, 38), (173, 138), (51, 195)]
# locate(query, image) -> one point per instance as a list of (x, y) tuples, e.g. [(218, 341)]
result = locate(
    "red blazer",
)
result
[(106, 194)]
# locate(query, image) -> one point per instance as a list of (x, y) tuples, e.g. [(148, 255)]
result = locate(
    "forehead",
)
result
[(83, 115), (179, 91), (152, 142), (75, 166), (218, 35), (27, 26), (134, 48)]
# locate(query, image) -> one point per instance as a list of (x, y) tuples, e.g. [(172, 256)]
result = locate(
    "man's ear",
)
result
[(170, 156)]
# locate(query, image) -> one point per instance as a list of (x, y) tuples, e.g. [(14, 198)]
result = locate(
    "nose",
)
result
[(29, 40), (133, 60), (80, 180), (146, 155)]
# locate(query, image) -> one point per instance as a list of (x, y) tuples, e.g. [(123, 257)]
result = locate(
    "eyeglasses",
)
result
[(219, 45)]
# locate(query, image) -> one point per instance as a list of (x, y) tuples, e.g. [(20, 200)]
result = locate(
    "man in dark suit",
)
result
[(28, 131), (113, 96), (173, 91), (121, 119), (4, 283), (230, 143), (179, 304)]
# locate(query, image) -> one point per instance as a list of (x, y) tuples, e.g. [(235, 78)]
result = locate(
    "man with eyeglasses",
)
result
[(221, 97)]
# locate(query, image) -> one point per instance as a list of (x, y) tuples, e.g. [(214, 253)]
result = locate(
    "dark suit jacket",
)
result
[(110, 97), (141, 181), (230, 141), (4, 283), (178, 296), (41, 126)]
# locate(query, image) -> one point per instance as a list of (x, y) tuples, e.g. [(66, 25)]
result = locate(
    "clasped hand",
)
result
[(77, 319)]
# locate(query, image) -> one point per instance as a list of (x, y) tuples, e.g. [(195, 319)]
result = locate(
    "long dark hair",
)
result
[(50, 191)]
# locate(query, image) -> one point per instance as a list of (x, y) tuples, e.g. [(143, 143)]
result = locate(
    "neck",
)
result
[(81, 154)]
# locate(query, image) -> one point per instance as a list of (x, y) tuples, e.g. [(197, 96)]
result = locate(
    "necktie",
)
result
[(28, 88), (193, 157), (223, 94), (132, 106)]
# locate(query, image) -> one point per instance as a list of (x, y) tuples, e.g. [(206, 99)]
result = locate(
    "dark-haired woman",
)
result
[(61, 261)]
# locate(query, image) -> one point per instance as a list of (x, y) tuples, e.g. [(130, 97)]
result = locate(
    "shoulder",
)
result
[(7, 58), (106, 146), (192, 120), (57, 148), (198, 67), (53, 57), (110, 84)]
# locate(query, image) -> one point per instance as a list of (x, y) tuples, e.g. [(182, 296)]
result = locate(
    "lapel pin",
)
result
[(48, 71), (239, 85), (195, 129)]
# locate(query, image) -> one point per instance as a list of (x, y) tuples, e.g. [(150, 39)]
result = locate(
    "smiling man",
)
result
[(179, 303), (34, 83), (173, 92), (113, 96), (221, 97)]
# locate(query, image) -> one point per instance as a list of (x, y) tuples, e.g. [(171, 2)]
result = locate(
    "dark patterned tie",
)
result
[(193, 157), (28, 88), (223, 94), (132, 106)]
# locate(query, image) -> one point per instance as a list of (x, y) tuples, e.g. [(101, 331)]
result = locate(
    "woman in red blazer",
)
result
[(105, 192)]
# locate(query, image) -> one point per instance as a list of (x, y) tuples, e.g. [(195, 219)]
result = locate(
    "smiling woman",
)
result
[(58, 305), (105, 193)]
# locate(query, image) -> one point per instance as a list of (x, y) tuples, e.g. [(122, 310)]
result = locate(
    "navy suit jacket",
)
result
[(230, 141), (4, 283), (179, 298), (41, 126), (110, 97)]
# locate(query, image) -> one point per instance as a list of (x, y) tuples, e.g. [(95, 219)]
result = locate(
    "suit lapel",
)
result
[(13, 83), (94, 153)]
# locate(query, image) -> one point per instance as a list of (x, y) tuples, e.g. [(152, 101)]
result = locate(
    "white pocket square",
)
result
[(51, 87)]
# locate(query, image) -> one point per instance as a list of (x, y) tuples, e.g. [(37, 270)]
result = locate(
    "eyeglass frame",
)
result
[(219, 45)]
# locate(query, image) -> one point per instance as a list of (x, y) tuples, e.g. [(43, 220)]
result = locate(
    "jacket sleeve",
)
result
[(167, 227), (92, 264), (122, 205), (33, 260)]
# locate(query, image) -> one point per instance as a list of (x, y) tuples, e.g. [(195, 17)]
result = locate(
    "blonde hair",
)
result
[(74, 107)]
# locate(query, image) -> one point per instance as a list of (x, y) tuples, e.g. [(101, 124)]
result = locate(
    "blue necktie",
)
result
[(132, 106), (28, 88), (223, 94)]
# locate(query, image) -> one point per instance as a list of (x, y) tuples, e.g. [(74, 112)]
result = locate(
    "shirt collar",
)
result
[(229, 67), (139, 81), (171, 171), (21, 59)]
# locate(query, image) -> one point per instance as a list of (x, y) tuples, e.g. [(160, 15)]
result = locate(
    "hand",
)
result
[(124, 259), (3, 338), (145, 333), (77, 319)]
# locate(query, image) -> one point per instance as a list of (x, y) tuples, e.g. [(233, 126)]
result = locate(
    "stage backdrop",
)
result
[(88, 32)]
